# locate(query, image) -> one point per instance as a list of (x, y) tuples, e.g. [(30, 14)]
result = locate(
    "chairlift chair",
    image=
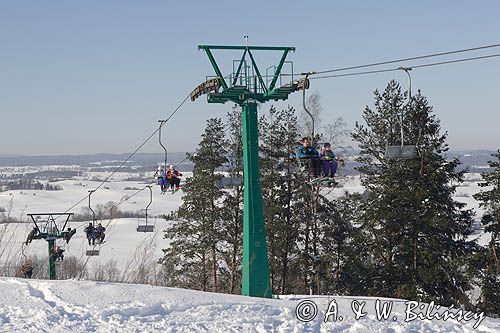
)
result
[(146, 227), (402, 151), (93, 252)]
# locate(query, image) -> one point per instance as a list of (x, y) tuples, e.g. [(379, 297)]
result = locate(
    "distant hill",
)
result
[(144, 159), (475, 160)]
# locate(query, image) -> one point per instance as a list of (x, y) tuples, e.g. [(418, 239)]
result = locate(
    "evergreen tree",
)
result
[(279, 136), (341, 269), (490, 263), (415, 233), (232, 222), (192, 259)]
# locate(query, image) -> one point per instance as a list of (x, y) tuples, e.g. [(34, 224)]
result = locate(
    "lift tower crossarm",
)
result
[(255, 87), (238, 47)]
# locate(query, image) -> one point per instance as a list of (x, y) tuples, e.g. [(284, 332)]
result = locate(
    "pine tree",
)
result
[(415, 233), (232, 221), (340, 265), (279, 136), (490, 268), (192, 258)]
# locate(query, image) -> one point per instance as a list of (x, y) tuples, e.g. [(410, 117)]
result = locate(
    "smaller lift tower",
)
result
[(50, 230)]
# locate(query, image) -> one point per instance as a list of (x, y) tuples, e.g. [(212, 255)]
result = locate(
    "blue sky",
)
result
[(94, 76)]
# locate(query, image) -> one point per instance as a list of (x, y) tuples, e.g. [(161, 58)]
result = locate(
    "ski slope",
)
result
[(85, 306)]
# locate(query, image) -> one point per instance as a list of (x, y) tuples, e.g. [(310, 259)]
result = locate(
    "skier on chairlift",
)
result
[(32, 234), (99, 233), (90, 231), (57, 254), (310, 156), (329, 161), (173, 177), (162, 178), (69, 234)]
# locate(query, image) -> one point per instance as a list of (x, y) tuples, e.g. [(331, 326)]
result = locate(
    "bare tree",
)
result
[(335, 132), (305, 124)]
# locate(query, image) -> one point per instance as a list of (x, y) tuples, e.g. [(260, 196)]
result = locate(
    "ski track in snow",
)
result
[(86, 306)]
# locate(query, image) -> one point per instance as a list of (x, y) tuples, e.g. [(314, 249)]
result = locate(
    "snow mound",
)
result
[(85, 306)]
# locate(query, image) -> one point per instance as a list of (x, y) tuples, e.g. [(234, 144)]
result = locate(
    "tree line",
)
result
[(27, 184)]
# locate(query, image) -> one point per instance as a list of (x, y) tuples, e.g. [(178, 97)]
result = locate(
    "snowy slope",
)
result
[(84, 306)]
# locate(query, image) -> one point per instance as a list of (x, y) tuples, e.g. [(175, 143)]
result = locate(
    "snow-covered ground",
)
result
[(86, 306)]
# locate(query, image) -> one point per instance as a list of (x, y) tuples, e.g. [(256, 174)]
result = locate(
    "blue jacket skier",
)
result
[(162, 178), (310, 156)]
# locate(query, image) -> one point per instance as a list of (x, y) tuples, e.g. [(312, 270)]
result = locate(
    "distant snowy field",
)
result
[(86, 306), (123, 241)]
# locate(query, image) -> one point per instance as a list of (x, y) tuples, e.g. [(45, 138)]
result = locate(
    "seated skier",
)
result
[(162, 178), (69, 234), (57, 254), (32, 234), (99, 233), (173, 177), (90, 232), (329, 161), (310, 156)]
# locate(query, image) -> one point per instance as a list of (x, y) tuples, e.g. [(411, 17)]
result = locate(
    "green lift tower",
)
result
[(47, 228), (247, 86)]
